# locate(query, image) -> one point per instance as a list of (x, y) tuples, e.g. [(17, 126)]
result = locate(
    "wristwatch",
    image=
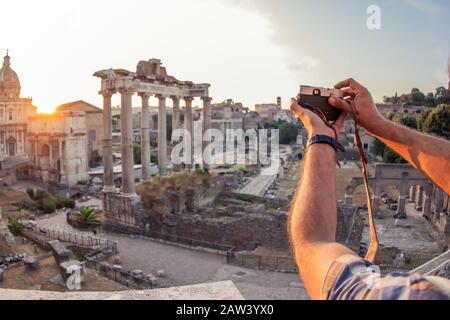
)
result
[(326, 140)]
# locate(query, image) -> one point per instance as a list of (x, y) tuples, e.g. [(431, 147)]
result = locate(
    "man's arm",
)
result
[(429, 154), (313, 213)]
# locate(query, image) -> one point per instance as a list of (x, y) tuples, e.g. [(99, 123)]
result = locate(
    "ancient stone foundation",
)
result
[(200, 207)]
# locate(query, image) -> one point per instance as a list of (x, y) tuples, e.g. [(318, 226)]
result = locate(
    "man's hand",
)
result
[(363, 104), (315, 125)]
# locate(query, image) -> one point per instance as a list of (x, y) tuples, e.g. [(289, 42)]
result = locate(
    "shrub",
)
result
[(70, 203), (48, 205), (15, 227), (87, 215), (61, 202), (244, 197), (83, 182), (30, 193), (41, 194)]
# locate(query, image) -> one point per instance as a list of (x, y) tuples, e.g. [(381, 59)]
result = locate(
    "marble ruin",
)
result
[(412, 185), (149, 79)]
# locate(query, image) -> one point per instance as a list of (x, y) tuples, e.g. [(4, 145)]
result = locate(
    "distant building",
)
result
[(94, 124), (57, 148), (387, 108), (230, 115), (50, 148), (267, 111), (270, 112), (14, 113)]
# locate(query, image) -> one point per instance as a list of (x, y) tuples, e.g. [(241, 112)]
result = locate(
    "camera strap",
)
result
[(374, 243)]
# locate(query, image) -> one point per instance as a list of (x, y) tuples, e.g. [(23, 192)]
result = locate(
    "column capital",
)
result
[(161, 96), (144, 95), (126, 91), (206, 99), (175, 98), (188, 99), (107, 93)]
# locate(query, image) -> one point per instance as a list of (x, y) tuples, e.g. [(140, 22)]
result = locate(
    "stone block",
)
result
[(68, 268), (162, 273), (60, 252), (31, 263)]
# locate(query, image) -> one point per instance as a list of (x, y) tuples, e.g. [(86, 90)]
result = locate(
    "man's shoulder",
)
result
[(353, 278)]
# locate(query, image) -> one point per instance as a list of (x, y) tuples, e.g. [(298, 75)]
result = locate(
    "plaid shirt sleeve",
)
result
[(352, 278)]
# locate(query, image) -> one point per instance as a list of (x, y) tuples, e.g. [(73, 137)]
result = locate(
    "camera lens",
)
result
[(316, 92)]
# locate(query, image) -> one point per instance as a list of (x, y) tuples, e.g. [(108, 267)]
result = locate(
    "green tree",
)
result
[(378, 148), (390, 156), (442, 95), (437, 121), (430, 101), (288, 133), (416, 97)]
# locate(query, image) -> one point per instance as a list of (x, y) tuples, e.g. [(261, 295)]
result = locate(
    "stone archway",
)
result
[(404, 177)]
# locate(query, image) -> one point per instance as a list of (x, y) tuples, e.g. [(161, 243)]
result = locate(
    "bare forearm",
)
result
[(313, 213), (313, 219), (429, 154)]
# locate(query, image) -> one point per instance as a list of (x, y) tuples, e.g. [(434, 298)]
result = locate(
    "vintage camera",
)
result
[(317, 98)]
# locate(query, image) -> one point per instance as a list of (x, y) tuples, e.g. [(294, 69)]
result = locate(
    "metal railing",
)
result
[(82, 240)]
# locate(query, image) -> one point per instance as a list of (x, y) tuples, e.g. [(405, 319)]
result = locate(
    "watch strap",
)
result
[(326, 140)]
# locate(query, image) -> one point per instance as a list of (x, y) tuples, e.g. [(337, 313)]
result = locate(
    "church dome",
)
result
[(9, 81)]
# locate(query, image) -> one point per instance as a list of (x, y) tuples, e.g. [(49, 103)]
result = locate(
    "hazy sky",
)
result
[(249, 50)]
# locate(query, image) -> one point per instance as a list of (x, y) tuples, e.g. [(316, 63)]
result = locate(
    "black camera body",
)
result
[(317, 98)]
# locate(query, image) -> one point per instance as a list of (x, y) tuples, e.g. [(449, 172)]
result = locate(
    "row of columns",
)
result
[(128, 184)]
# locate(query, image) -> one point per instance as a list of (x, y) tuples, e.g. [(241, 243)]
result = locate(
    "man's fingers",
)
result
[(340, 122), (297, 109), (350, 82), (349, 92), (340, 104)]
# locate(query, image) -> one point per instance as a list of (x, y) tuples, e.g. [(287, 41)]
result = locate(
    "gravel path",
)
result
[(187, 267)]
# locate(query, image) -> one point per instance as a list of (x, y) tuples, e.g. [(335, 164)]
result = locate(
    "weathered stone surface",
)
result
[(7, 236), (225, 290), (137, 274), (117, 260), (67, 267), (161, 273), (31, 263), (60, 251)]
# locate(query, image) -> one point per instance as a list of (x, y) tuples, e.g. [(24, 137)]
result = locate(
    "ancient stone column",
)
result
[(206, 140), (176, 113), (401, 213), (376, 204), (126, 130), (62, 172), (427, 204), (189, 126), (419, 198), (176, 124), (108, 163), (145, 137), (162, 136), (439, 202), (411, 194)]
